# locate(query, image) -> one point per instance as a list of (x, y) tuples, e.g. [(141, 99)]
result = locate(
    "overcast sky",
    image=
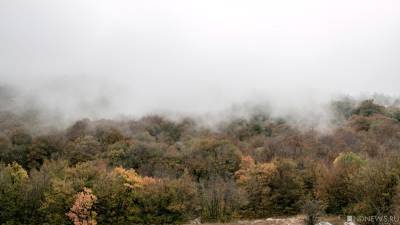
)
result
[(133, 57)]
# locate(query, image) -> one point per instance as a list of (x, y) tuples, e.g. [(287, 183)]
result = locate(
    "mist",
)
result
[(104, 59)]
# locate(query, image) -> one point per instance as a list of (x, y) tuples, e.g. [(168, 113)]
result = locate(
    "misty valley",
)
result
[(214, 112)]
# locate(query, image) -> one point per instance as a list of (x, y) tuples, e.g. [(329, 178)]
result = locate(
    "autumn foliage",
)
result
[(82, 212), (160, 171)]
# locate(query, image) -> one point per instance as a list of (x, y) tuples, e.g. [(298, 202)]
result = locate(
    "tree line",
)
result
[(160, 171)]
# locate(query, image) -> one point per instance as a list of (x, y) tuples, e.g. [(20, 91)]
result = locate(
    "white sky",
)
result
[(133, 57)]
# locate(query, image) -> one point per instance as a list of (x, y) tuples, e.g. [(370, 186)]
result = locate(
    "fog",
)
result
[(98, 58)]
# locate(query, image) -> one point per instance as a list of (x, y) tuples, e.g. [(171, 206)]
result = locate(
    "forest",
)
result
[(157, 170)]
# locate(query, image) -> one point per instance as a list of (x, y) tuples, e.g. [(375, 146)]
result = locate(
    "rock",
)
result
[(257, 222), (324, 223), (195, 221)]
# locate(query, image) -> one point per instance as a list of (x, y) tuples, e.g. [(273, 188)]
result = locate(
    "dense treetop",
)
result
[(155, 170)]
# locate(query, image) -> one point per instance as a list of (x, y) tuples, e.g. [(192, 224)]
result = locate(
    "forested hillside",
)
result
[(155, 170)]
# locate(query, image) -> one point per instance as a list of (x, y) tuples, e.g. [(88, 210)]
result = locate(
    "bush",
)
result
[(312, 210), (369, 108), (221, 201)]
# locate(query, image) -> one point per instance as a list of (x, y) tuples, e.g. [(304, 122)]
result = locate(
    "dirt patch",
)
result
[(275, 221), (297, 220)]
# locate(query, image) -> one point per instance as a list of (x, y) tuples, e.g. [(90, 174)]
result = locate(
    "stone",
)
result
[(324, 223)]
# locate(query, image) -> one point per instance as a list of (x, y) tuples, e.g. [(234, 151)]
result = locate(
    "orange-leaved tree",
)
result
[(82, 212)]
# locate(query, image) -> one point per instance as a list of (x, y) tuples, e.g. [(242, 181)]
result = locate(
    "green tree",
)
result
[(275, 188), (287, 188), (40, 150), (376, 187), (368, 108), (167, 202), (57, 202), (108, 135), (336, 188), (211, 157), (83, 149), (13, 179)]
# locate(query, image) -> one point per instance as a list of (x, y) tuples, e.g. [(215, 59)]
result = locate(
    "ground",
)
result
[(298, 220)]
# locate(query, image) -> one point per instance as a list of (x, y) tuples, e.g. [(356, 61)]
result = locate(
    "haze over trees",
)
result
[(125, 112), (156, 170)]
